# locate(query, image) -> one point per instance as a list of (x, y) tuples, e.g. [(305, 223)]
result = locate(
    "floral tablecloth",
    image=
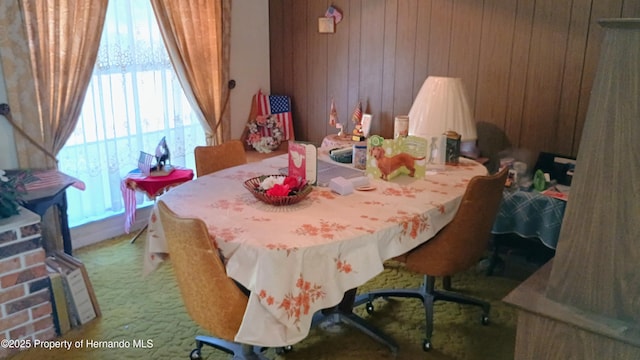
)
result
[(302, 258)]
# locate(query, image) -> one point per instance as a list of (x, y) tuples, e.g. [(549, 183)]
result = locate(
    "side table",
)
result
[(48, 190), (335, 141), (152, 186), (528, 214)]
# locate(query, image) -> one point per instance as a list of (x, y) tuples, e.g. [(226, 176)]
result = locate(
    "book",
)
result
[(388, 158), (303, 161), (92, 295), (72, 314), (564, 196), (78, 300), (59, 302)]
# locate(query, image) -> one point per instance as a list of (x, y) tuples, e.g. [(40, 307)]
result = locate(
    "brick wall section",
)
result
[(25, 307)]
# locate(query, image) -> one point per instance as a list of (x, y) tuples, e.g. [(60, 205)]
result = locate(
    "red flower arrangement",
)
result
[(278, 189), (282, 186)]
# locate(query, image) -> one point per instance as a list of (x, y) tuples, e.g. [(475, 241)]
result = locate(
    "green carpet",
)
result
[(137, 308)]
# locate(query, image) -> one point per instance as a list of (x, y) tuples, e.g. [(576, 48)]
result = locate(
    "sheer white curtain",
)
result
[(133, 100)]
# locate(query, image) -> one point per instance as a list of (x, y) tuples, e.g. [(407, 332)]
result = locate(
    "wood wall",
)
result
[(528, 65)]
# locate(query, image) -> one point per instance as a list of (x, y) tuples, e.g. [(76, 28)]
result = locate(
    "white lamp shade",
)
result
[(442, 105)]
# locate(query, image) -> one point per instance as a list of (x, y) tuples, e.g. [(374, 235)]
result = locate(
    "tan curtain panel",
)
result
[(21, 93), (64, 37), (196, 34)]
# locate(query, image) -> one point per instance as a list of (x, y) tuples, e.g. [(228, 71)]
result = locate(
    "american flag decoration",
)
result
[(280, 106), (333, 114), (144, 163), (42, 179), (357, 114), (334, 13)]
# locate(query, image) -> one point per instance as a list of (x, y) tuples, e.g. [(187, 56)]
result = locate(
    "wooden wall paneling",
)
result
[(277, 46), (287, 56), (544, 78), (405, 54), (466, 31), (496, 44), (599, 9), (299, 73), (630, 9), (421, 63), (353, 81), (338, 67), (440, 37), (371, 59), (531, 81), (492, 86), (518, 71), (318, 105), (393, 21), (565, 136)]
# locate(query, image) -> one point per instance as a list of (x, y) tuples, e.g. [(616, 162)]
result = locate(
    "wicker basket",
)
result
[(254, 183)]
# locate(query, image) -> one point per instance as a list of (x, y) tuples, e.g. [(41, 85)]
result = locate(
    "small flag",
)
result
[(334, 13), (333, 114), (144, 163), (357, 114)]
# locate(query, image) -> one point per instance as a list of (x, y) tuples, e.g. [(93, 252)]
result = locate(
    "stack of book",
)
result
[(74, 301)]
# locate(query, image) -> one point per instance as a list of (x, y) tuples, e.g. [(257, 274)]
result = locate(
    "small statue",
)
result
[(356, 118), (162, 155), (333, 119)]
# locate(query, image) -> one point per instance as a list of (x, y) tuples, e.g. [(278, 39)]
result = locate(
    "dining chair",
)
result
[(212, 299), (213, 158), (455, 248)]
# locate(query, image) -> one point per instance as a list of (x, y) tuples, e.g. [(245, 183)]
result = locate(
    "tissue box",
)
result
[(341, 185)]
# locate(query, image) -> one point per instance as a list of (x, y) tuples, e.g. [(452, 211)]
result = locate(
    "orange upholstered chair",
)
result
[(456, 248), (213, 158), (212, 299)]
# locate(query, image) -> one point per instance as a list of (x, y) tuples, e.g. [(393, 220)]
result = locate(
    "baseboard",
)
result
[(97, 231)]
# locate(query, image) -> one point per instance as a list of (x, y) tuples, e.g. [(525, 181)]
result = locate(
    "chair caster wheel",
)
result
[(284, 349), (426, 345), (369, 308), (195, 354), (484, 320)]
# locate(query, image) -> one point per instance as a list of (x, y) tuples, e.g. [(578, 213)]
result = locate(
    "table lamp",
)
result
[(442, 105)]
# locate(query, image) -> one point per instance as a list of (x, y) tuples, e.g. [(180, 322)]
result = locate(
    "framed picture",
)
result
[(436, 154), (366, 124), (326, 25)]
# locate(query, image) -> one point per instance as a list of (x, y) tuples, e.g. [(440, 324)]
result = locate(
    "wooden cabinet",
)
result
[(584, 305)]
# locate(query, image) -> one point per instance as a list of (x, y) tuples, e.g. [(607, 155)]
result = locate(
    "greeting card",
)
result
[(388, 158), (303, 161)]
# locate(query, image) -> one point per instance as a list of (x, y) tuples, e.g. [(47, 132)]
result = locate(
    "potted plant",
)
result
[(12, 189)]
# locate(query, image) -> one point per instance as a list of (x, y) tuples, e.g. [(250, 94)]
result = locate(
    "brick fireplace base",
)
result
[(25, 307)]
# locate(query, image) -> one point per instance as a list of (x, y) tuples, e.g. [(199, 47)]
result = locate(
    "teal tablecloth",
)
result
[(530, 215)]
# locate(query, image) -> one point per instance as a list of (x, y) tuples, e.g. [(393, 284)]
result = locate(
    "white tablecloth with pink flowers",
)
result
[(301, 258)]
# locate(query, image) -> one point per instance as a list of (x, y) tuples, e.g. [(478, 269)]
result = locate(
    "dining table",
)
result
[(300, 259)]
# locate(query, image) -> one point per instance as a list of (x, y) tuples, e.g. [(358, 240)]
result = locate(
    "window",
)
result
[(133, 100)]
